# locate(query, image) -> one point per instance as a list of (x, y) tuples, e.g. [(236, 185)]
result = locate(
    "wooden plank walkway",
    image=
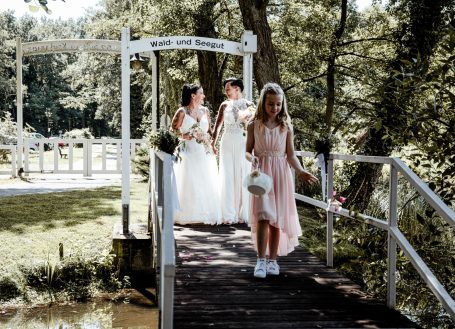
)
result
[(215, 288)]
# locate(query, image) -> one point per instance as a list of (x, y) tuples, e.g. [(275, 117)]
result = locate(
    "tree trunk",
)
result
[(265, 62), (417, 38), (210, 78), (330, 78)]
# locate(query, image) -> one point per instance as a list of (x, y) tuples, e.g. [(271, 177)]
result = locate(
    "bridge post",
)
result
[(20, 120), (391, 242), (125, 129), (249, 44), (329, 242)]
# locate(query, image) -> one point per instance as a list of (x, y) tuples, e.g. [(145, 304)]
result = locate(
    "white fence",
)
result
[(395, 236), (74, 156)]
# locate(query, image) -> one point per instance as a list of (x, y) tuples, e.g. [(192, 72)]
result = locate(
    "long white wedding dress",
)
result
[(233, 164), (197, 180)]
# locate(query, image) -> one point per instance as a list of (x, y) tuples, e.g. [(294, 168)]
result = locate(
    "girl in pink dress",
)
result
[(275, 224)]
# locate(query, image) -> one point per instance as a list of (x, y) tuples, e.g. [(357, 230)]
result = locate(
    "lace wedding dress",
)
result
[(233, 164), (197, 180)]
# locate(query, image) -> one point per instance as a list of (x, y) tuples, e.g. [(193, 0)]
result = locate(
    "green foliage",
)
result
[(164, 140), (7, 134), (9, 289), (78, 134), (76, 277), (142, 162)]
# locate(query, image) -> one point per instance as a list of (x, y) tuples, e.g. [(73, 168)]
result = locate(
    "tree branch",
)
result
[(363, 40), (362, 56)]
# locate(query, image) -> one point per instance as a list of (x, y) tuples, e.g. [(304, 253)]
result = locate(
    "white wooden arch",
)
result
[(51, 47), (245, 48)]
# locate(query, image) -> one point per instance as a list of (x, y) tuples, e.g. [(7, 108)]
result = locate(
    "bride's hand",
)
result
[(187, 136)]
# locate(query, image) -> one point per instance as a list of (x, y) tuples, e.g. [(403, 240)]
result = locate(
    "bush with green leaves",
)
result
[(7, 134), (83, 133), (164, 140), (73, 278), (9, 289)]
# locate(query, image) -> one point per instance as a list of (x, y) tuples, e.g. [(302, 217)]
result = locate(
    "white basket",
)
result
[(258, 183)]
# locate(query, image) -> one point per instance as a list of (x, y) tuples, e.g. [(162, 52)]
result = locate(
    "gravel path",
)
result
[(47, 183)]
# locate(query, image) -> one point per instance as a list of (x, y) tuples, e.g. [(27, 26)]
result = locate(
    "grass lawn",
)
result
[(32, 226)]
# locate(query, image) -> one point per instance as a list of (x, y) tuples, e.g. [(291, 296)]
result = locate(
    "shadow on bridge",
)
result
[(215, 288)]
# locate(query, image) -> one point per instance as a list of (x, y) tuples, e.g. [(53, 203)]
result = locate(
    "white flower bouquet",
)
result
[(201, 137)]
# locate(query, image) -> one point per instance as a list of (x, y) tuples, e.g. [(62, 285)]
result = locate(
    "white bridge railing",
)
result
[(395, 236), (76, 156), (161, 208), (161, 226)]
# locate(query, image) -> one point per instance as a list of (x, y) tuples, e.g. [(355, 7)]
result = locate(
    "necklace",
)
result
[(191, 112)]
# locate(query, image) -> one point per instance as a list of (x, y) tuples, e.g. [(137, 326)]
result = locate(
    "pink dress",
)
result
[(278, 206)]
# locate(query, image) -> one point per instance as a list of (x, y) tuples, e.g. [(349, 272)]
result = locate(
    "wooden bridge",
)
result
[(206, 278), (215, 288)]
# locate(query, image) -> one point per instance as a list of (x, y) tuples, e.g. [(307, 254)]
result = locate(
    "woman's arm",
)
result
[(177, 123), (218, 122), (217, 127), (209, 131), (294, 162)]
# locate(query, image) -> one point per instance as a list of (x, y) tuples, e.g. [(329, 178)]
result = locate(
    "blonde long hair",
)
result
[(283, 117)]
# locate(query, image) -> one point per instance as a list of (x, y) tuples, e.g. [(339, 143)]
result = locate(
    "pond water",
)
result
[(136, 312)]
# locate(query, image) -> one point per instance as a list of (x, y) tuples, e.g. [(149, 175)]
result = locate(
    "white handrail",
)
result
[(161, 206), (394, 234)]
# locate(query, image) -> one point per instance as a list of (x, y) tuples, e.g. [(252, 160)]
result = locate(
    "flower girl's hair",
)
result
[(283, 117)]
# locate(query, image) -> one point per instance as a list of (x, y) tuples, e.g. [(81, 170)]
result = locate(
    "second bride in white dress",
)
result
[(233, 114), (196, 171)]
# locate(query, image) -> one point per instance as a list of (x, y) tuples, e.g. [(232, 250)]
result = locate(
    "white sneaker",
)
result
[(260, 270), (273, 268)]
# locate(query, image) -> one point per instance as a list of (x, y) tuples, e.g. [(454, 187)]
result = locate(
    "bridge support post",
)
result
[(391, 242), (329, 242)]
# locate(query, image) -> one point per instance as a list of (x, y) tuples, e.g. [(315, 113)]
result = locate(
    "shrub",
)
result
[(164, 140), (7, 134), (75, 277), (79, 134), (8, 289)]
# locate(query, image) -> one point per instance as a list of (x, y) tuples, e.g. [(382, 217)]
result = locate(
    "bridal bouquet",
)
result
[(201, 137), (246, 115)]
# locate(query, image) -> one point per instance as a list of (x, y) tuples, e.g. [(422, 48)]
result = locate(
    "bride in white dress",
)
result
[(233, 113), (196, 172)]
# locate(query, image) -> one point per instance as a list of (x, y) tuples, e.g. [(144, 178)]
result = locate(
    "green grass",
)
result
[(32, 226)]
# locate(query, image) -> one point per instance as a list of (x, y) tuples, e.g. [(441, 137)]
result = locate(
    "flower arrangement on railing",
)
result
[(336, 202), (164, 140)]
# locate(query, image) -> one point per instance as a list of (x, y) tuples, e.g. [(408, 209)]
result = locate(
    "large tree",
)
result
[(254, 16), (417, 37)]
